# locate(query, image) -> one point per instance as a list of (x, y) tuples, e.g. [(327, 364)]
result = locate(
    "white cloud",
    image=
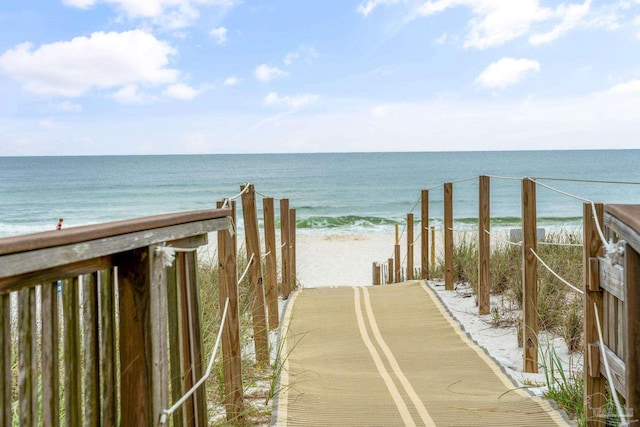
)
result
[(102, 61), (66, 107), (571, 15), (166, 13), (631, 87), (506, 72), (130, 95), (48, 123), (219, 34), (304, 53), (297, 101), (231, 81), (365, 8), (266, 73), (181, 91)]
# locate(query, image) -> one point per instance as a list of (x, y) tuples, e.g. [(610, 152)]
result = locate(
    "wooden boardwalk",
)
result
[(391, 356)]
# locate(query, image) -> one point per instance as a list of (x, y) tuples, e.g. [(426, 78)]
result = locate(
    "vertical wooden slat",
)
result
[(292, 249), (632, 338), (175, 355), (50, 359), (72, 361), (397, 264), (271, 266), (107, 349), (91, 353), (5, 360), (433, 248), (410, 246), (284, 241), (424, 236), (484, 245), (158, 325), (135, 339), (252, 237), (376, 274), (186, 333), (231, 356), (530, 276), (448, 236), (195, 326), (390, 273), (26, 356)]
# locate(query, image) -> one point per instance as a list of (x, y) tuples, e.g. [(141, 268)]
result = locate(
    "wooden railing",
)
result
[(89, 310), (612, 284)]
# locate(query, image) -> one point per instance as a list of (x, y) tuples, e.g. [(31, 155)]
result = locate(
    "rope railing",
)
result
[(164, 417), (580, 291)]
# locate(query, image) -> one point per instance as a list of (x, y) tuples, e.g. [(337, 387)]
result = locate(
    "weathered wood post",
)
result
[(409, 247), (135, 340), (424, 236), (50, 358), (292, 249), (484, 246), (271, 265), (448, 236), (529, 276), (260, 338), (231, 355), (91, 354), (108, 374), (397, 265), (632, 320), (70, 314), (390, 274), (27, 357), (284, 241), (433, 247), (5, 360), (594, 383)]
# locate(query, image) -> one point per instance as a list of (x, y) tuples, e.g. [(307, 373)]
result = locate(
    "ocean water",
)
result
[(333, 193)]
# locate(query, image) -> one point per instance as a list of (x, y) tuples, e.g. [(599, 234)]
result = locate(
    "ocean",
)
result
[(333, 193)]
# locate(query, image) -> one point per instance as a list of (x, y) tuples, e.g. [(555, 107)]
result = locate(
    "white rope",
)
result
[(460, 230), (463, 180), (164, 417), (580, 291), (621, 416), (593, 181), (502, 239), (166, 254), (433, 188), (564, 193), (246, 270), (560, 244), (244, 190), (505, 177)]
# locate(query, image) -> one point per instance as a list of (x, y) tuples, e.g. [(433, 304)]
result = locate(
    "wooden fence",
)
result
[(101, 325), (611, 285)]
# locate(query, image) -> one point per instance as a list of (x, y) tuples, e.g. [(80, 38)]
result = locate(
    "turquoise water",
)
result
[(333, 193)]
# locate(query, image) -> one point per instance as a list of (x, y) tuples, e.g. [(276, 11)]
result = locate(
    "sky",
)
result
[(103, 77)]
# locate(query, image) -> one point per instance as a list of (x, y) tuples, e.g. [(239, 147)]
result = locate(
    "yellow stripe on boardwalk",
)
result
[(396, 359)]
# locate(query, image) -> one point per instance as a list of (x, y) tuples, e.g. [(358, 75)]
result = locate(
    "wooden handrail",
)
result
[(73, 235)]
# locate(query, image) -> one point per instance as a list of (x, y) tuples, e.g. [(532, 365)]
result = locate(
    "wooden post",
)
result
[(530, 276), (594, 385), (410, 246), (158, 329), (109, 406), (50, 357), (433, 247), (397, 264), (448, 236), (284, 241), (135, 340), (292, 248), (231, 355), (376, 273), (260, 338), (484, 246), (72, 390), (91, 353), (390, 279), (27, 375), (424, 236), (5, 360), (271, 265), (632, 354)]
